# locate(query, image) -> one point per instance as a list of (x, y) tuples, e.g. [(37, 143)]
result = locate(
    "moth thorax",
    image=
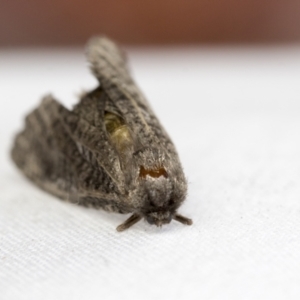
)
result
[(119, 132), (154, 172)]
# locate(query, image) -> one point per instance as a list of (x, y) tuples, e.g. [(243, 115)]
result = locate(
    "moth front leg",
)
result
[(129, 222)]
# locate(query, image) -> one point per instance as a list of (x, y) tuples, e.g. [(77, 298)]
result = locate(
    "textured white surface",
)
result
[(234, 115)]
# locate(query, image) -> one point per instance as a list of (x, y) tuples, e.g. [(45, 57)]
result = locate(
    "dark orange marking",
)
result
[(155, 173)]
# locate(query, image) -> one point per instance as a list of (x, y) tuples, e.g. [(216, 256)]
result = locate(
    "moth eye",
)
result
[(150, 220), (155, 173), (152, 204), (171, 202)]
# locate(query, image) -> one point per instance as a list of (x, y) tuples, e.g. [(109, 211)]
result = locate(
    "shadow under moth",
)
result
[(109, 152)]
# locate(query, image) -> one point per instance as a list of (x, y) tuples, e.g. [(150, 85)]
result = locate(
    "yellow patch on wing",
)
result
[(118, 131)]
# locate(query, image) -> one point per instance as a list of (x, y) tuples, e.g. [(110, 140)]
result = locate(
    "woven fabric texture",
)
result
[(234, 117)]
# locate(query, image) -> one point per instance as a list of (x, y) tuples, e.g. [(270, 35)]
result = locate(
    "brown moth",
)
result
[(109, 152)]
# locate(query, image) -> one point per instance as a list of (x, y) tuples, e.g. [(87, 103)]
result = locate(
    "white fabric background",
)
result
[(234, 117)]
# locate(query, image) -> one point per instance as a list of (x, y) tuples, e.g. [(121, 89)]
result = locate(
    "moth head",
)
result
[(157, 190), (160, 212), (159, 218)]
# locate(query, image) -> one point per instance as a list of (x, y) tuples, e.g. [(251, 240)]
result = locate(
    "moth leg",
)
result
[(183, 220), (129, 222)]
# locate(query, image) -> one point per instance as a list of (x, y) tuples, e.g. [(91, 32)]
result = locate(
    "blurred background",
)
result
[(62, 22)]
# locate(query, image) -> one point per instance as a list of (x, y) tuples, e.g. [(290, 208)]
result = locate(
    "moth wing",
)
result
[(37, 154), (95, 140), (108, 64), (107, 59), (48, 154), (91, 107)]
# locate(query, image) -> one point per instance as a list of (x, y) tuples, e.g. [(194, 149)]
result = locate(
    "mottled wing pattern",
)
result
[(109, 65), (37, 154), (49, 151), (94, 139)]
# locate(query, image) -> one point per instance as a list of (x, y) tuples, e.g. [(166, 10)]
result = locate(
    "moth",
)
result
[(110, 151)]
